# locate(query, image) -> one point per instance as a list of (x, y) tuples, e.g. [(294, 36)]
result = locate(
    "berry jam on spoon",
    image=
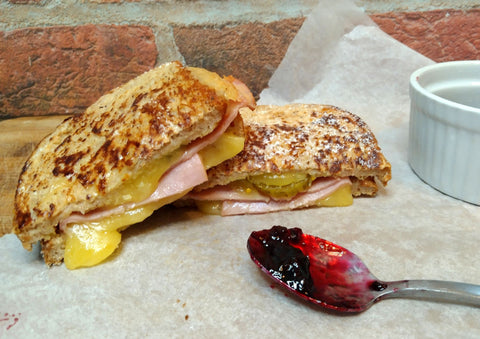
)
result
[(331, 276)]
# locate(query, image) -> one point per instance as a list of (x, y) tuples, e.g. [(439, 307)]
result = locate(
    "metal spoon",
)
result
[(331, 276)]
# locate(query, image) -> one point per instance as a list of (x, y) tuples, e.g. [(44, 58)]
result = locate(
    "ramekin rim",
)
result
[(420, 89)]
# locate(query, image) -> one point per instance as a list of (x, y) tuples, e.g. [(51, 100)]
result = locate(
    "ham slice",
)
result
[(183, 175), (248, 204), (181, 178)]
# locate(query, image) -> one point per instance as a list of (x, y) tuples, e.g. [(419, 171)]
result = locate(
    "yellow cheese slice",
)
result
[(209, 206), (89, 244), (341, 197), (226, 147)]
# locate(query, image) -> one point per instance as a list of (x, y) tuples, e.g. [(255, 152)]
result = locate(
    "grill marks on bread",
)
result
[(92, 154)]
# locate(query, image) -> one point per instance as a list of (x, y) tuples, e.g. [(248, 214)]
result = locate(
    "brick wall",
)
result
[(58, 57)]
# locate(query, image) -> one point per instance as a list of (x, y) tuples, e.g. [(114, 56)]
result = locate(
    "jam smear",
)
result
[(313, 268)]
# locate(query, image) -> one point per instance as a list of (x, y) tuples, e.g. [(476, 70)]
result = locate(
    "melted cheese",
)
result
[(227, 146), (209, 206), (145, 182), (341, 197), (90, 243)]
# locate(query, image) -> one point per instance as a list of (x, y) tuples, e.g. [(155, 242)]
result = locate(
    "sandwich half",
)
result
[(139, 147), (295, 156)]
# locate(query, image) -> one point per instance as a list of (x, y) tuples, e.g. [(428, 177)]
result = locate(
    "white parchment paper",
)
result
[(181, 273)]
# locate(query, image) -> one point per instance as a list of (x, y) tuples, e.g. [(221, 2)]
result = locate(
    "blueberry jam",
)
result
[(314, 269)]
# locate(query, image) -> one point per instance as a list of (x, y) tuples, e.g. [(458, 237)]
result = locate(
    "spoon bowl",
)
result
[(331, 276)]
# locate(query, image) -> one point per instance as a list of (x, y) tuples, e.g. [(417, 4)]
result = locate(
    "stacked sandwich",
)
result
[(180, 133)]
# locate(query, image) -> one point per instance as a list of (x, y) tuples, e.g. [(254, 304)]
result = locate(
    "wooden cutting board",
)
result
[(18, 138)]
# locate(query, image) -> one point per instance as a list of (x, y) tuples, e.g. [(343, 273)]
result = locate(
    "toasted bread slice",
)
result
[(88, 158)]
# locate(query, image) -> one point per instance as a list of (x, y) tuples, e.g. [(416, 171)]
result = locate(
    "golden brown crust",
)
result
[(90, 155), (53, 249), (321, 140)]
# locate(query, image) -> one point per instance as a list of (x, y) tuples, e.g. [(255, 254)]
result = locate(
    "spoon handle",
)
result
[(449, 291)]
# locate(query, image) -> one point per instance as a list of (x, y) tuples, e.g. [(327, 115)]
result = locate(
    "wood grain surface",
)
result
[(18, 138)]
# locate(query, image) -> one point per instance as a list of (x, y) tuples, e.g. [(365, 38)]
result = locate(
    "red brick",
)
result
[(63, 69), (441, 35), (251, 52)]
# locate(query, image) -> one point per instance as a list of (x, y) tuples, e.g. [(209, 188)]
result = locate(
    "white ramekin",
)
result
[(444, 136)]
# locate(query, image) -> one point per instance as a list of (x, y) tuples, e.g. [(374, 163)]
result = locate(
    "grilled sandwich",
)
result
[(295, 156), (139, 147)]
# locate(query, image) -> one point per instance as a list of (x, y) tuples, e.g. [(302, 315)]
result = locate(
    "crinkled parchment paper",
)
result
[(181, 273)]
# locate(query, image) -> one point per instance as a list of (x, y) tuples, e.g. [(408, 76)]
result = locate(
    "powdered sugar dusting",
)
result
[(291, 137)]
